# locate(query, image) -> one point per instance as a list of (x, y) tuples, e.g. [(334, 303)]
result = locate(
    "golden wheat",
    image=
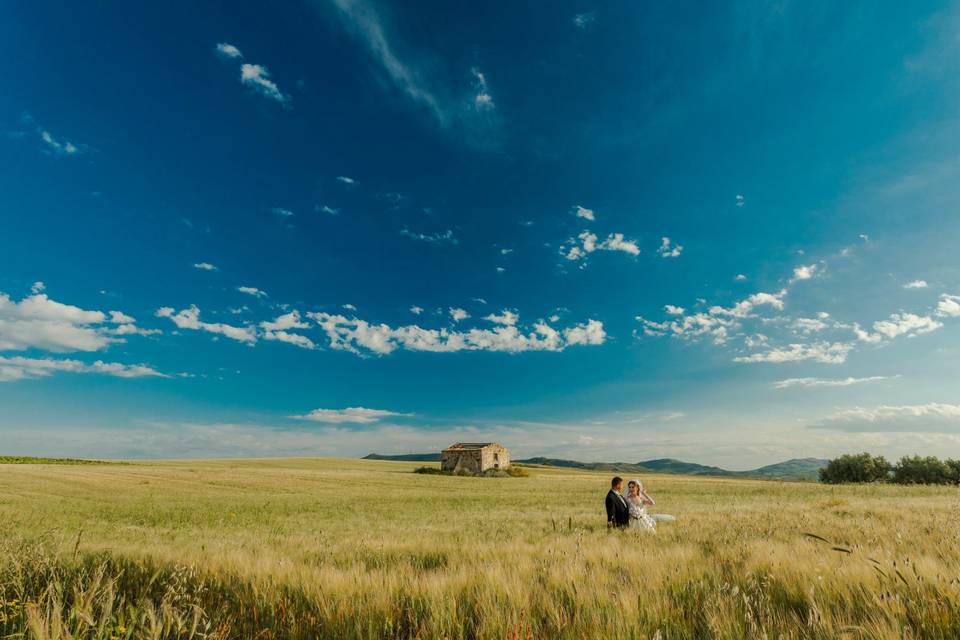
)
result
[(307, 548)]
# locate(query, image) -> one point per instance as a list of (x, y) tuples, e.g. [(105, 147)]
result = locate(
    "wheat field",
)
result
[(322, 548)]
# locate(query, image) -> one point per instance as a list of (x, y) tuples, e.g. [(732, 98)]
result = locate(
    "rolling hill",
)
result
[(794, 469)]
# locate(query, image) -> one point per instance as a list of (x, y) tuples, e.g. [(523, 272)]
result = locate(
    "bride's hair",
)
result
[(637, 484)]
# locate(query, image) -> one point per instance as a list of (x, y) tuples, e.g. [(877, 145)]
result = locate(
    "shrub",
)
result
[(509, 472), (923, 470), (861, 467)]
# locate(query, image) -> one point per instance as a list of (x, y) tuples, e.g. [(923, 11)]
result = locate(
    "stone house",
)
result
[(475, 457)]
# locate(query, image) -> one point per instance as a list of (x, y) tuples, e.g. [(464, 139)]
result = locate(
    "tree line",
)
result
[(863, 467)]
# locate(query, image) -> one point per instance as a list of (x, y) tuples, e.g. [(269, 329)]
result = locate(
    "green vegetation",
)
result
[(305, 548), (863, 467), (32, 460), (513, 471)]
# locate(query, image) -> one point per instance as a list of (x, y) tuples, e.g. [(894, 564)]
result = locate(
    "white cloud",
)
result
[(433, 238), (41, 323), (415, 310), (290, 338), (228, 50), (616, 242), (824, 352), (280, 211), (204, 266), (674, 310), (328, 210), (258, 77), (58, 147), (930, 417), (667, 250), (916, 284), (346, 180), (18, 368), (828, 382), (740, 200), (805, 272), (906, 324), (290, 320), (190, 319), (119, 317), (740, 277), (583, 212), (38, 287), (352, 415), (359, 336), (505, 317), (252, 291), (744, 308), (810, 325), (948, 305), (458, 314), (255, 76), (589, 243), (482, 100)]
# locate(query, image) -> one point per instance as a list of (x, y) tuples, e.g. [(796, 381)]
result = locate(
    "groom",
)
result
[(618, 515)]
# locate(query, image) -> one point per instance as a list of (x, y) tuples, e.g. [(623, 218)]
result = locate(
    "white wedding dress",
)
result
[(639, 518)]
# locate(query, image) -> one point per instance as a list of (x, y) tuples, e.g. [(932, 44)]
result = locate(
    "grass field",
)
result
[(310, 548)]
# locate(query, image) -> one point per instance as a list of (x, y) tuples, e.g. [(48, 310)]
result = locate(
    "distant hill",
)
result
[(795, 469), (669, 465), (405, 457)]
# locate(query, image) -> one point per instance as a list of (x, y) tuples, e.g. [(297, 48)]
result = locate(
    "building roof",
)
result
[(471, 446)]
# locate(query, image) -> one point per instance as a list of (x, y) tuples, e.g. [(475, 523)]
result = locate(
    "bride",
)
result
[(637, 501)]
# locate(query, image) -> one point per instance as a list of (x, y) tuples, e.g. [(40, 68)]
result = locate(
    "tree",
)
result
[(861, 467), (921, 470)]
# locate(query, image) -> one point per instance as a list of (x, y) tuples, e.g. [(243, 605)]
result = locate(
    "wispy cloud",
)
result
[(204, 266), (58, 147), (916, 284), (255, 76), (350, 415), (190, 319), (17, 368), (930, 417), (828, 382), (447, 104), (346, 180), (252, 291), (434, 238)]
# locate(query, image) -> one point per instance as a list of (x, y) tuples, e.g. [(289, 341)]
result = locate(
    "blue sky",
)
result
[(603, 231)]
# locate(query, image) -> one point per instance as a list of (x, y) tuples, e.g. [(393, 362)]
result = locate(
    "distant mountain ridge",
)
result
[(793, 469)]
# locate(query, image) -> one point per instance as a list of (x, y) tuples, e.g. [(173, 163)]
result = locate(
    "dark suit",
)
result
[(617, 513)]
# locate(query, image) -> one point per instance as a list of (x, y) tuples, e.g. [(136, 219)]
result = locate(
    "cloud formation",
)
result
[(190, 319), (39, 322), (351, 415), (361, 337), (17, 368), (255, 76)]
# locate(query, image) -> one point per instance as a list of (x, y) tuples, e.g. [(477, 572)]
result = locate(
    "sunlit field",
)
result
[(315, 548)]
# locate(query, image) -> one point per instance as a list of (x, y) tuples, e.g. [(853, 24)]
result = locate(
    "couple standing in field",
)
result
[(628, 509)]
